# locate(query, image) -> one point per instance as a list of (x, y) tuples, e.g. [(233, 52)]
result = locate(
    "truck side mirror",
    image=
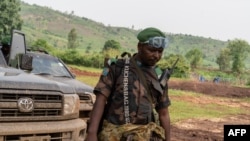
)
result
[(26, 62)]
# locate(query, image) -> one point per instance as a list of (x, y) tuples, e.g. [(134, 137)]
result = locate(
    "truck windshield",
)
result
[(50, 66)]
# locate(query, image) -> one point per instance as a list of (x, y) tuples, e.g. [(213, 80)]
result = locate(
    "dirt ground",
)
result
[(209, 88), (203, 129), (209, 129)]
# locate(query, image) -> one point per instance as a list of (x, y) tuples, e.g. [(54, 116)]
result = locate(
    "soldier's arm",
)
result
[(95, 117), (165, 121)]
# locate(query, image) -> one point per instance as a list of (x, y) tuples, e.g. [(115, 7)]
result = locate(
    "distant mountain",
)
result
[(54, 26)]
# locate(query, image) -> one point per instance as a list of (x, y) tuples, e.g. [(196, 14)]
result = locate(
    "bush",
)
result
[(73, 57), (181, 69), (248, 82)]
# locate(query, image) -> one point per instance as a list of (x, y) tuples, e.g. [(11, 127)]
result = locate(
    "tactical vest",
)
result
[(123, 102)]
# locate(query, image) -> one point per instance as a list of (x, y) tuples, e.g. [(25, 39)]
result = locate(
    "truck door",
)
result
[(17, 47)]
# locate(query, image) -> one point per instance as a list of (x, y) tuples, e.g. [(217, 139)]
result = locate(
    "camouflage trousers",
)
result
[(131, 132)]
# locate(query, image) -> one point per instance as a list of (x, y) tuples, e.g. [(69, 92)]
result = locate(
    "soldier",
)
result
[(129, 97)]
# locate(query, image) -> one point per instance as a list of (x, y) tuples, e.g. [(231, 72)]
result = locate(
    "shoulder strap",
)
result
[(144, 82), (149, 94)]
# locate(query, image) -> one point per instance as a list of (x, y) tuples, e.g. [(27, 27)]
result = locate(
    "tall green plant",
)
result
[(223, 60), (239, 50), (195, 57), (72, 39)]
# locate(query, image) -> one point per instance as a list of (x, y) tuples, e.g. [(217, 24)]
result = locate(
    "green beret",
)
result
[(147, 33)]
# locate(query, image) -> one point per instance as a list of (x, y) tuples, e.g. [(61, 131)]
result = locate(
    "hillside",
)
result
[(54, 26)]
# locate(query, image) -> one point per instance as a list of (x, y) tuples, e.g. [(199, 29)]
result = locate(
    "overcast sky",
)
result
[(218, 19)]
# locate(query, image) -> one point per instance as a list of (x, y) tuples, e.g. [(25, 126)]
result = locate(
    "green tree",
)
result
[(111, 44), (223, 60), (9, 17), (41, 45), (195, 57), (239, 50), (72, 39), (72, 56), (181, 69)]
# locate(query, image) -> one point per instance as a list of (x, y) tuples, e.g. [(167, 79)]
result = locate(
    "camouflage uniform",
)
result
[(131, 132), (140, 102)]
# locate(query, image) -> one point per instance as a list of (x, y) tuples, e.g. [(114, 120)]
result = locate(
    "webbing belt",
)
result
[(125, 90)]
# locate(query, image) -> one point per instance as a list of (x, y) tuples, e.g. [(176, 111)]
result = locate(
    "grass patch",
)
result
[(95, 70), (180, 110), (245, 100), (90, 80), (183, 106)]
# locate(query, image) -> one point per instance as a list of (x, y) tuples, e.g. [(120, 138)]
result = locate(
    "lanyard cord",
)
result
[(125, 90)]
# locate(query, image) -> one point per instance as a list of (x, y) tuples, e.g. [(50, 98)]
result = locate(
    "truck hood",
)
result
[(80, 87), (17, 79)]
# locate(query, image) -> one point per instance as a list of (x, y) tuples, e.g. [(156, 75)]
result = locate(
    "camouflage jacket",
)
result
[(139, 101)]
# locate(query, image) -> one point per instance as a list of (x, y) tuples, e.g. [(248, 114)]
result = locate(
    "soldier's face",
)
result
[(149, 55)]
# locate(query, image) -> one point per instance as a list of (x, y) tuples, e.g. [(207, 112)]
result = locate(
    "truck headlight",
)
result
[(71, 104), (93, 96)]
